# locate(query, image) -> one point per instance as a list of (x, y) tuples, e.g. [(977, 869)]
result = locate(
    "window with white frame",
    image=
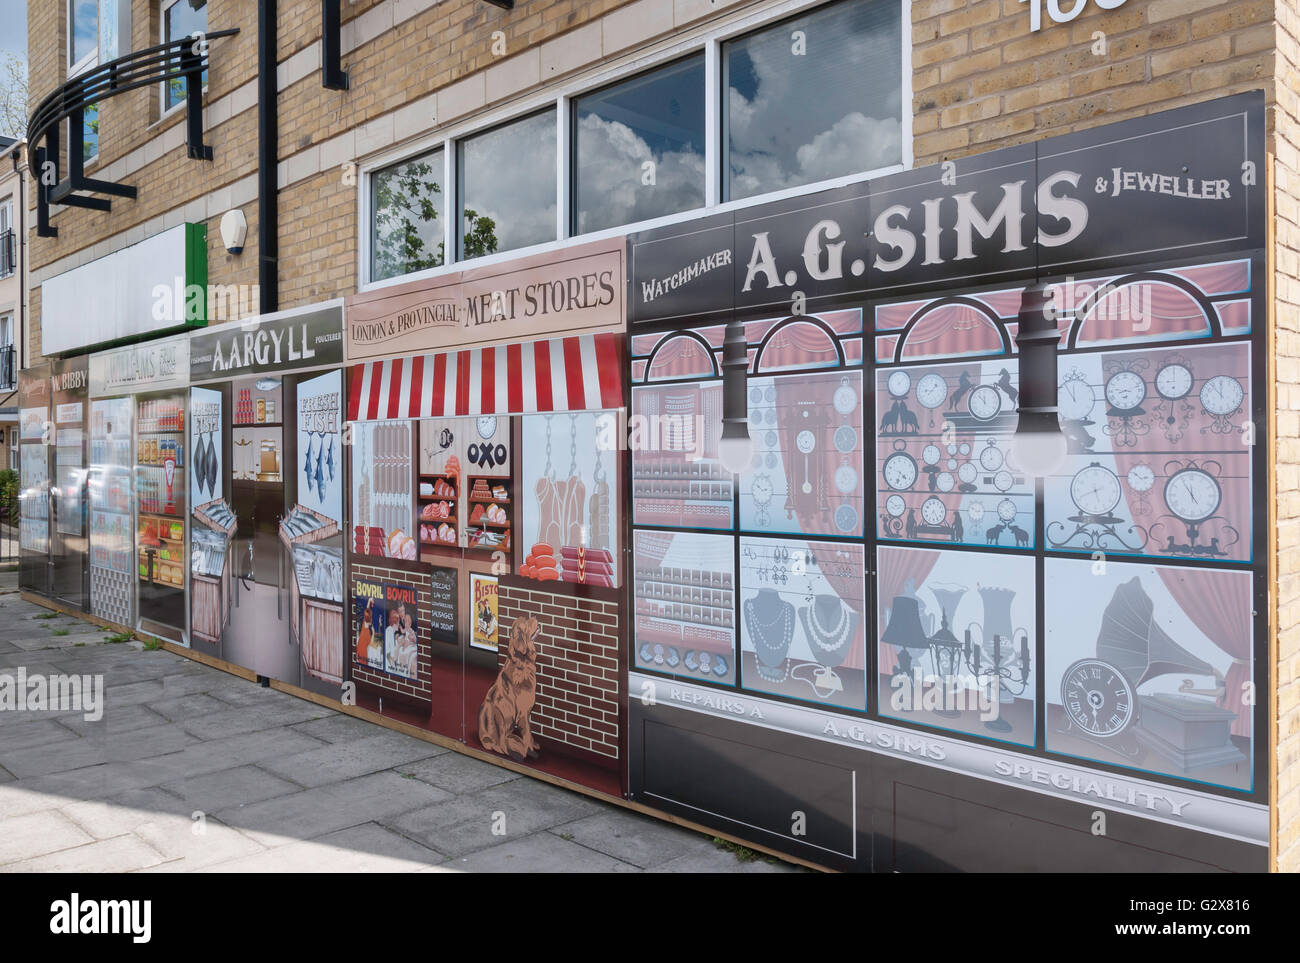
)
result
[(8, 240), (638, 149), (736, 114), (181, 18), (407, 206), (94, 28), (507, 186), (813, 98)]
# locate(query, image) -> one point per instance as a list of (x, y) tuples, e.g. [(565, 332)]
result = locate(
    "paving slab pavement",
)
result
[(191, 769)]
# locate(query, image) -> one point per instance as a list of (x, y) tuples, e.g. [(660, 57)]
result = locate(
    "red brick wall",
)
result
[(365, 568), (577, 667)]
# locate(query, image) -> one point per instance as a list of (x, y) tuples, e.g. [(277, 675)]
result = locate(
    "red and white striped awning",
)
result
[(582, 373)]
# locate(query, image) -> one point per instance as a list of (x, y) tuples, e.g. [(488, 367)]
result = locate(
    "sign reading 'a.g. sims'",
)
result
[(579, 289)]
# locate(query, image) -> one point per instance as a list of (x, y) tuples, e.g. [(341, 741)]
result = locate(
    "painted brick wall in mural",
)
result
[(577, 667)]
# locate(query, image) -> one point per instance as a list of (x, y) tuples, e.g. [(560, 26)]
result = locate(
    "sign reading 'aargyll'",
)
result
[(274, 343), (542, 296), (1183, 183)]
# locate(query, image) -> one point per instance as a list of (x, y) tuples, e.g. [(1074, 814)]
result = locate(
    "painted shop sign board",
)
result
[(284, 341), (151, 366), (577, 290), (1065, 203)]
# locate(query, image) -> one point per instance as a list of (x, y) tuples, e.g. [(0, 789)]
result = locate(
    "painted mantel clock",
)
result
[(1097, 698)]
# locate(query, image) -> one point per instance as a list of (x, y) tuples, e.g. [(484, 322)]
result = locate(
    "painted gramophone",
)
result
[(1100, 695)]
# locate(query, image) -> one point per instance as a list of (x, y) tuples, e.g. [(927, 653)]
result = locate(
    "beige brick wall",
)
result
[(981, 79), (1286, 476)]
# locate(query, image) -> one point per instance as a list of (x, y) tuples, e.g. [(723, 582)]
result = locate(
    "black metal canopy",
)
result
[(186, 57)]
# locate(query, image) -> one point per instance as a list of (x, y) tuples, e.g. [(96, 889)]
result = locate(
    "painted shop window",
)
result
[(957, 647), (407, 204), (813, 98), (639, 148), (568, 504), (182, 18), (677, 477), (946, 471), (803, 616), (383, 505), (685, 604), (507, 187), (1152, 670)]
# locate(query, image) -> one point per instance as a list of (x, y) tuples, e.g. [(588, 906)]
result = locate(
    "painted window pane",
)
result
[(812, 98), (639, 148)]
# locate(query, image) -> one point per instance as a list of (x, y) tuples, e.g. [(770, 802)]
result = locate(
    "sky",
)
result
[(13, 27)]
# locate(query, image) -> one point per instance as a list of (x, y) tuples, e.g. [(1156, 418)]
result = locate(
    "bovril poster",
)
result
[(387, 637)]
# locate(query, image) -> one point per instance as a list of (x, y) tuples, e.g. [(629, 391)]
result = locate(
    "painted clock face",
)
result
[(900, 383), (1075, 399), (932, 390), (1003, 481), (762, 490), (1173, 381), (895, 505), (945, 482), (991, 458), (1125, 390), (846, 479), (1141, 478), (1097, 698), (1095, 490), (968, 473), (1221, 395), (487, 426), (1006, 509), (933, 512), (1193, 494), (846, 439), (976, 511), (931, 454), (805, 441), (845, 398), (900, 471), (984, 402)]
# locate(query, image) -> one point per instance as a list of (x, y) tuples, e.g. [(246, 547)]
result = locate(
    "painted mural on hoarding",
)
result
[(957, 641), (386, 627), (1153, 668)]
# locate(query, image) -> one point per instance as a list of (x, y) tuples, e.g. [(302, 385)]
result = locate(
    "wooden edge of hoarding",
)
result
[(446, 742), (1274, 607)]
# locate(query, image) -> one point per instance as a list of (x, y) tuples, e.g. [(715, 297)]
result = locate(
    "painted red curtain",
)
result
[(1218, 603), (899, 572)]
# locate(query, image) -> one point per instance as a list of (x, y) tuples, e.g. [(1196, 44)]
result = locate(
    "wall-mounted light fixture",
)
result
[(736, 449), (234, 228), (1039, 446)]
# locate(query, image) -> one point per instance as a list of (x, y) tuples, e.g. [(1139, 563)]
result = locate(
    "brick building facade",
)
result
[(419, 70)]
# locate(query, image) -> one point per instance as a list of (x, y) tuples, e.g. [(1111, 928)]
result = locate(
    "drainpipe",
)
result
[(268, 219)]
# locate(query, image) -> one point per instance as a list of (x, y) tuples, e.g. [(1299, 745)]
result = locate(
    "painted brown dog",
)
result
[(503, 721)]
